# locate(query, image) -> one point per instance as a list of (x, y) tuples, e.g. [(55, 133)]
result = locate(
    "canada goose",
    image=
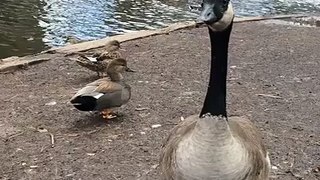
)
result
[(106, 93), (212, 146)]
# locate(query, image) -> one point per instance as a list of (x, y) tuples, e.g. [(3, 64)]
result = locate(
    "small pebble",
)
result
[(42, 130), (52, 103), (142, 133), (146, 129), (143, 115), (69, 175), (19, 149), (155, 126)]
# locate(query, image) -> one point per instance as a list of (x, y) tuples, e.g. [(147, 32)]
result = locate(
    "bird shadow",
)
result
[(86, 79), (94, 120)]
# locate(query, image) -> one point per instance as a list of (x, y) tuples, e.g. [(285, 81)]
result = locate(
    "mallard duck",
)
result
[(105, 94), (213, 146)]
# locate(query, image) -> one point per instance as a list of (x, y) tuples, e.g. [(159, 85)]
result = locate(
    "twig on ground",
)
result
[(52, 139), (9, 99), (14, 135), (270, 96)]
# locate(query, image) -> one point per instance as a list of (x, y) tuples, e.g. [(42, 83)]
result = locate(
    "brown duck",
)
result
[(213, 146), (105, 94), (92, 64), (99, 60), (111, 51)]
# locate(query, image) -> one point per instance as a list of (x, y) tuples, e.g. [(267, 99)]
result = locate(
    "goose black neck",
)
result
[(215, 101)]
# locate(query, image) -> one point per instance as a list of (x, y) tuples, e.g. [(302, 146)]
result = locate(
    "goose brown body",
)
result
[(212, 148)]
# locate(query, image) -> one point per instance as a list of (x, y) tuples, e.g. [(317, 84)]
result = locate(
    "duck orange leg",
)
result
[(107, 114)]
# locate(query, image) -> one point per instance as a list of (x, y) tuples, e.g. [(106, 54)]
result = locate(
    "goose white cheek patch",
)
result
[(225, 21)]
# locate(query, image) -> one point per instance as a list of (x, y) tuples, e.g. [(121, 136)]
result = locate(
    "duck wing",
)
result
[(108, 55), (92, 63)]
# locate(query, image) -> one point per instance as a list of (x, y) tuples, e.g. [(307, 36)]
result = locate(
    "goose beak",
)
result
[(217, 15), (207, 14), (129, 70)]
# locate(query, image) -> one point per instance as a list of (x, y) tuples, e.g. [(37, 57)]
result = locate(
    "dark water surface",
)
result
[(29, 26)]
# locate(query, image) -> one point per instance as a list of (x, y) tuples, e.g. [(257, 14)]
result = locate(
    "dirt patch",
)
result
[(170, 82)]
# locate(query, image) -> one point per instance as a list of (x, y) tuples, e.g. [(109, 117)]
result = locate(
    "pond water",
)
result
[(30, 26)]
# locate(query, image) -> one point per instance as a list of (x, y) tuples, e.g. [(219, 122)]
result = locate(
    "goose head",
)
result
[(217, 14)]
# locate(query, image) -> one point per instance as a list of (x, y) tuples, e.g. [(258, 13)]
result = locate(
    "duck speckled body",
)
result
[(99, 60)]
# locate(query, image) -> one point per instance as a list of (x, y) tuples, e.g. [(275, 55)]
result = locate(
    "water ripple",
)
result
[(28, 26)]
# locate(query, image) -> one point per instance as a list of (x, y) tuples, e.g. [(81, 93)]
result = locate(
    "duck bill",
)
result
[(122, 49), (129, 70)]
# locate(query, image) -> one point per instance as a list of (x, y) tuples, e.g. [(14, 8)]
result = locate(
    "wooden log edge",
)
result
[(11, 64), (84, 46), (14, 63)]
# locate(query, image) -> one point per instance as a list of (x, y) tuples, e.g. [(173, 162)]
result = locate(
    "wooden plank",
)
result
[(13, 63), (7, 66), (84, 46), (263, 18)]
